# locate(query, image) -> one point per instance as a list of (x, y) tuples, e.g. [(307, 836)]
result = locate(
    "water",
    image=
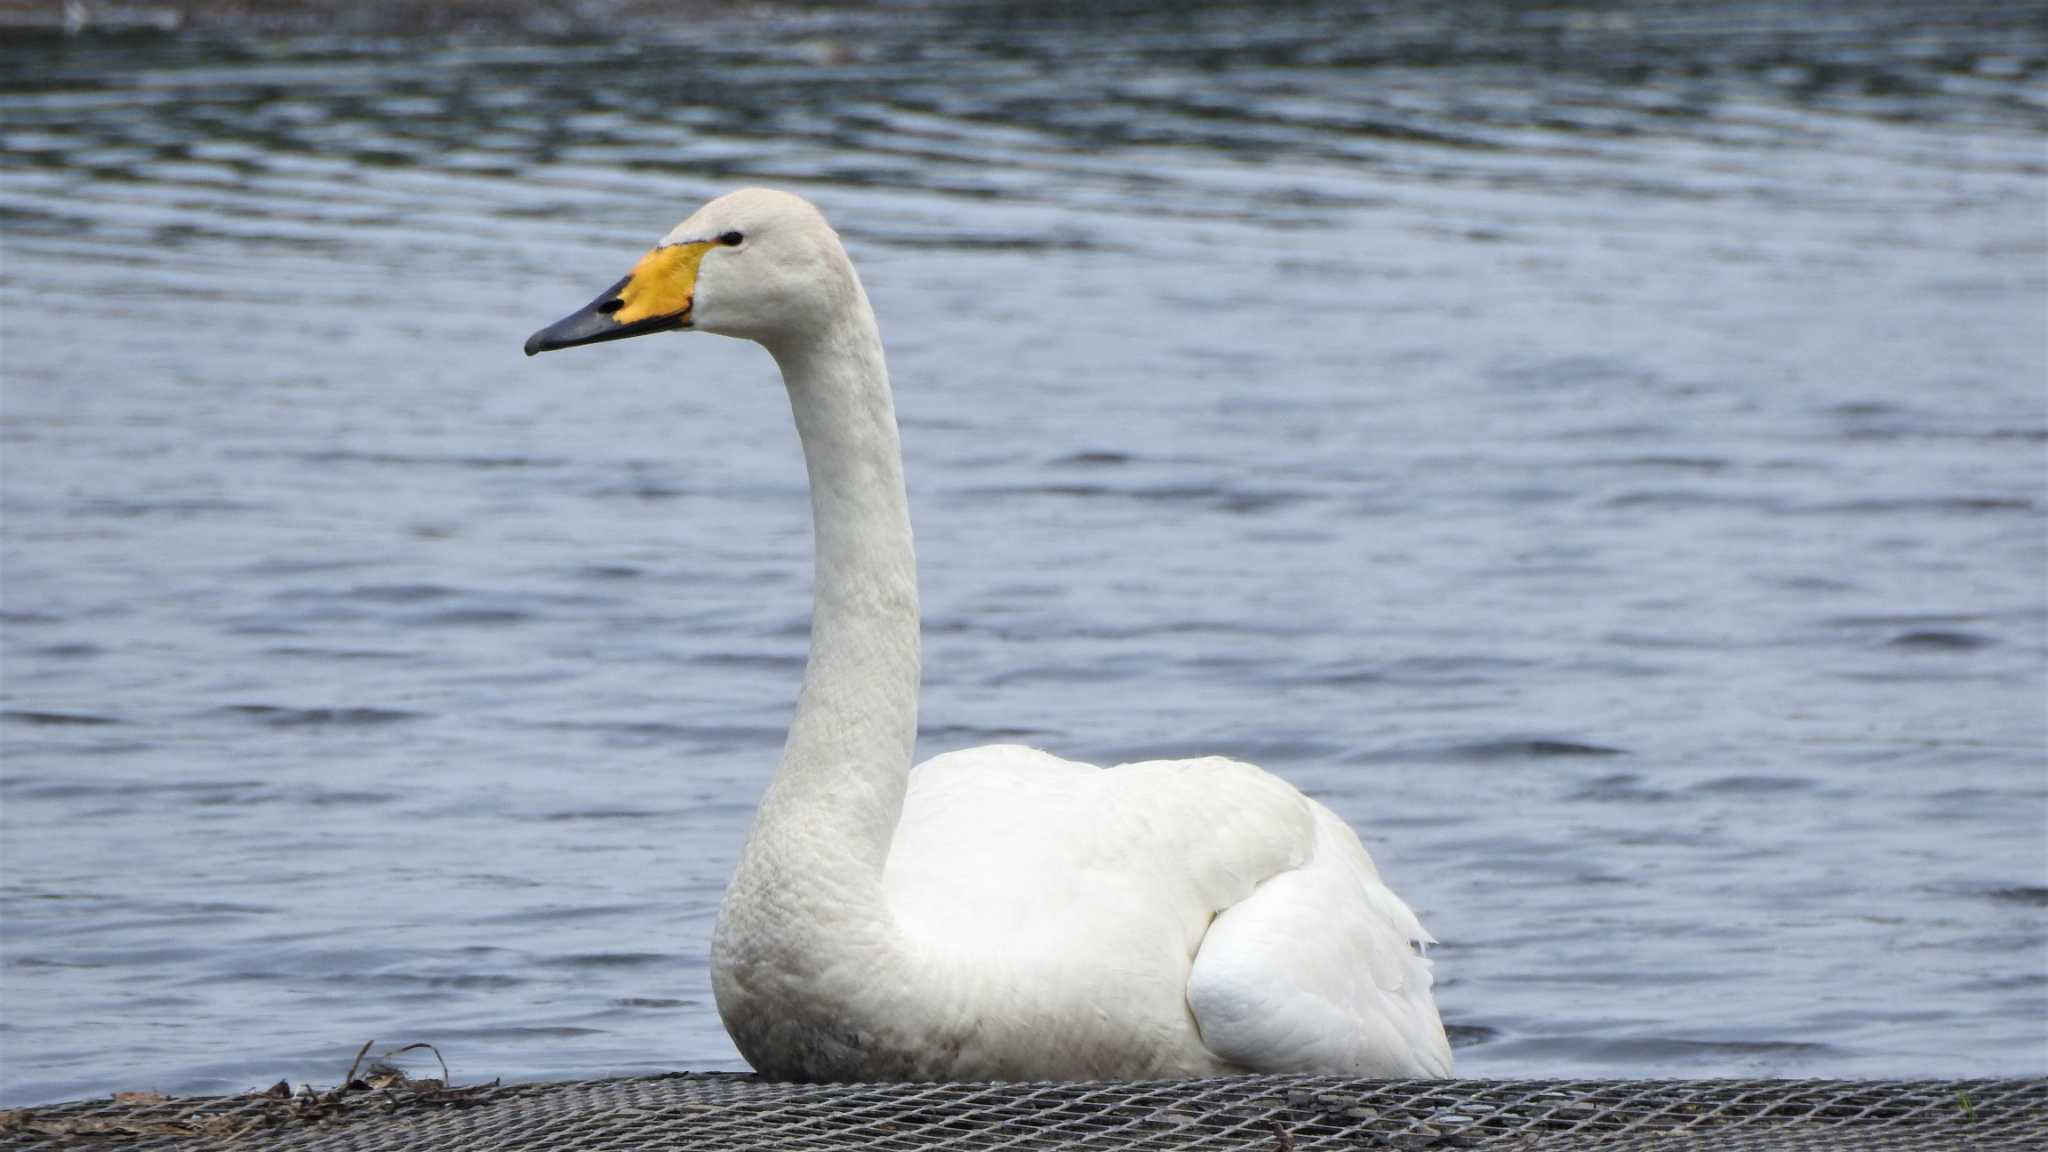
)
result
[(1599, 451)]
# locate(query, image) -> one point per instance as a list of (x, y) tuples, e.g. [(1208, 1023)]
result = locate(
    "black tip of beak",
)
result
[(586, 325), (593, 324)]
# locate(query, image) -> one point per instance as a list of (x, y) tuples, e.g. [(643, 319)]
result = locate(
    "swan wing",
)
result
[(1319, 971)]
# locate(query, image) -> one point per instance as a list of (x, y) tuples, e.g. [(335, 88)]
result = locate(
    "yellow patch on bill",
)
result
[(662, 284)]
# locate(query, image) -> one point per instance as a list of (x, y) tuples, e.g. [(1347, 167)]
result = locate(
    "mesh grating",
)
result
[(1266, 1113)]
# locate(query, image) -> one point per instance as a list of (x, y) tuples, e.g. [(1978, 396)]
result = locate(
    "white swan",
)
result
[(996, 913)]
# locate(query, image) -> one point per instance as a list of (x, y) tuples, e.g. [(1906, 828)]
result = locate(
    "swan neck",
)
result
[(833, 807)]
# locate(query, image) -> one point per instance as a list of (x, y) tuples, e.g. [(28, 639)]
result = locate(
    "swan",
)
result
[(995, 913)]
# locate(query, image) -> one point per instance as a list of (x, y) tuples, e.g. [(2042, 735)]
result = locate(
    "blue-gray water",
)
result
[(1599, 451)]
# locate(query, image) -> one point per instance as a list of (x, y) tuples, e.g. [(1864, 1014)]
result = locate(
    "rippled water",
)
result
[(1599, 451)]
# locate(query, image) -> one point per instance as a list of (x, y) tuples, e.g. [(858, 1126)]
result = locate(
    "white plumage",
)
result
[(995, 913), (1177, 918)]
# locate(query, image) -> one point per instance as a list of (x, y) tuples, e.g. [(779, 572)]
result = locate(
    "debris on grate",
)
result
[(383, 1088)]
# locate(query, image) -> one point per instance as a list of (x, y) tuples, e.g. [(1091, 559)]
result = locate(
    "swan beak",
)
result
[(654, 297)]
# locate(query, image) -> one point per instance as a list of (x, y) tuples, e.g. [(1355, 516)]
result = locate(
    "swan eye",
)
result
[(731, 239)]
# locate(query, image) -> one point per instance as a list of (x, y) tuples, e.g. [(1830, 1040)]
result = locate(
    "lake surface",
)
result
[(1600, 452)]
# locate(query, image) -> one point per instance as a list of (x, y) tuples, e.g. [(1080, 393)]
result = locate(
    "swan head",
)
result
[(755, 263)]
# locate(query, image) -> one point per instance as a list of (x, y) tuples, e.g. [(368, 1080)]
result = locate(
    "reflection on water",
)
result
[(1598, 450)]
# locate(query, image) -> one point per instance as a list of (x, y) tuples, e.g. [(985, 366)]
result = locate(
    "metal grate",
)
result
[(734, 1113)]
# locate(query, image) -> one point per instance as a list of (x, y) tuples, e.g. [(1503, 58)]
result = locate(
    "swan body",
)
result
[(995, 913)]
